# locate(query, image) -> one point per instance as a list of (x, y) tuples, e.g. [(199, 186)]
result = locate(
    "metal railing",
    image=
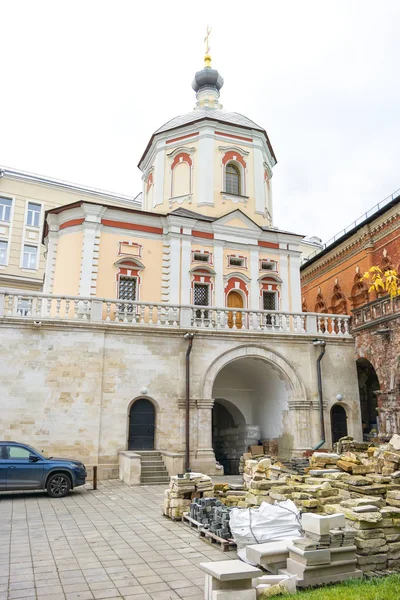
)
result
[(38, 307), (354, 224)]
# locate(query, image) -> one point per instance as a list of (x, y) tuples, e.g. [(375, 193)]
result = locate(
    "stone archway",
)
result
[(368, 385), (266, 389)]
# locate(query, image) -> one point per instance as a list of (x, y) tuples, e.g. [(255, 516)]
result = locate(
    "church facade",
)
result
[(178, 326)]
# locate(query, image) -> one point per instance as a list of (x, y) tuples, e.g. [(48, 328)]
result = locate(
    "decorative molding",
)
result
[(234, 199), (180, 200), (240, 151), (181, 150), (205, 403)]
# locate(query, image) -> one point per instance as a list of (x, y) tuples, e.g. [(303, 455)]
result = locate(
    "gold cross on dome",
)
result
[(206, 39)]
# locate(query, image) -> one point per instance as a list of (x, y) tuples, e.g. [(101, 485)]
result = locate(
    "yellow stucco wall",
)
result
[(152, 249), (68, 264)]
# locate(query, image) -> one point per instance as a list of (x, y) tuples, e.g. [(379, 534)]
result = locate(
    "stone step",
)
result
[(165, 483), (156, 468), (151, 461), (156, 480)]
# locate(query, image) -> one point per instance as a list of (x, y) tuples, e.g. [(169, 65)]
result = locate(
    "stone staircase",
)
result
[(154, 471)]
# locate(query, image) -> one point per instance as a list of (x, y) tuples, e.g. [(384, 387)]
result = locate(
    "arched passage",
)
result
[(368, 384), (338, 422), (141, 425)]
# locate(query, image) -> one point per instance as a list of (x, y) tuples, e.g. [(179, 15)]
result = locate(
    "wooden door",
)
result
[(141, 425), (235, 301)]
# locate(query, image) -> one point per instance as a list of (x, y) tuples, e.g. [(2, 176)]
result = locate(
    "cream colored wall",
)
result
[(50, 197), (68, 264), (152, 249)]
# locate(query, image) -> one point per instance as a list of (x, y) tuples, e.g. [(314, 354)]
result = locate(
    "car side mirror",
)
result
[(33, 458)]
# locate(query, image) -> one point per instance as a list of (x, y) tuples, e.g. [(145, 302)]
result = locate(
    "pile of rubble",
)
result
[(182, 490)]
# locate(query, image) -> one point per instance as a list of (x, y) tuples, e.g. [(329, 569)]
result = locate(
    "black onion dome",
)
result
[(207, 78)]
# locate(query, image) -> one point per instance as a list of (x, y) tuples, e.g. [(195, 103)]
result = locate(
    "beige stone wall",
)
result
[(68, 389)]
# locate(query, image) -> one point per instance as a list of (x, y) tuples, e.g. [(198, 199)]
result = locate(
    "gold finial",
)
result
[(207, 57)]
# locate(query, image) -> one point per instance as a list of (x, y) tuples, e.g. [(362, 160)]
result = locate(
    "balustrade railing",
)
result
[(38, 307), (377, 309)]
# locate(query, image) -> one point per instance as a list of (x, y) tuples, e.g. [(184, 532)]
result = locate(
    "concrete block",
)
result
[(234, 595), (230, 570), (305, 572), (343, 553), (268, 553), (332, 578), (321, 524), (310, 557)]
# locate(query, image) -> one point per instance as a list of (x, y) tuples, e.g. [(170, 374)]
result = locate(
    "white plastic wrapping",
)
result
[(268, 523)]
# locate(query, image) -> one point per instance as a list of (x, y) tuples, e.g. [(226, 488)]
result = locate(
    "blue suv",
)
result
[(24, 468)]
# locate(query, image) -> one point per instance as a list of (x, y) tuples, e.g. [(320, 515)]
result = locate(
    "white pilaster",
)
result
[(285, 289), (90, 246), (175, 267), (205, 168), (185, 271), (295, 285), (254, 286), (259, 186), (159, 172), (51, 257), (219, 273)]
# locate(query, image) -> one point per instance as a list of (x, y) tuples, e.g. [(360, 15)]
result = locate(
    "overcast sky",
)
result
[(85, 83)]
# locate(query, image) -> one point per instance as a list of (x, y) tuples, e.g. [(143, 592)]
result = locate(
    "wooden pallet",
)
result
[(211, 538), (190, 522)]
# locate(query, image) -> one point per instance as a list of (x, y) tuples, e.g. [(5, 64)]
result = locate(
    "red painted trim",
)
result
[(71, 223), (124, 271), (139, 248), (134, 226), (149, 182), (268, 244), (228, 156), (203, 234), (185, 158), (235, 137), (183, 137)]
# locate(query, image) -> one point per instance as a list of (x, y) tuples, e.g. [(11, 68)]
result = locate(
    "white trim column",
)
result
[(259, 187), (295, 284), (159, 172), (175, 267), (90, 249), (219, 273), (285, 289), (52, 243), (185, 270), (254, 285), (205, 168)]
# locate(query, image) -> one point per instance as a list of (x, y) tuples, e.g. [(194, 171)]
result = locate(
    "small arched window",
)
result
[(232, 179)]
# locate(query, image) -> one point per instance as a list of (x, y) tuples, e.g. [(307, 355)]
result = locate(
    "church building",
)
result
[(176, 326)]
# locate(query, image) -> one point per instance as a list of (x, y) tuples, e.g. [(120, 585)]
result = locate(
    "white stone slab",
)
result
[(234, 595), (310, 557), (269, 552), (322, 524), (230, 570)]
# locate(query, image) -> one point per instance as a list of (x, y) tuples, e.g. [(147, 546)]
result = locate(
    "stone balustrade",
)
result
[(37, 307), (382, 308)]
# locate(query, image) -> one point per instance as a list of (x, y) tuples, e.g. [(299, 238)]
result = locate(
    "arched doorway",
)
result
[(338, 422), (141, 425), (368, 384), (235, 300), (251, 406)]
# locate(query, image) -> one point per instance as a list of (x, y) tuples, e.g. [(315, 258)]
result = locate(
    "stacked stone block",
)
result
[(182, 491), (326, 554)]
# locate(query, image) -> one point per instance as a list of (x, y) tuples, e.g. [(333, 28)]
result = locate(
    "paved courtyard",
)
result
[(109, 543)]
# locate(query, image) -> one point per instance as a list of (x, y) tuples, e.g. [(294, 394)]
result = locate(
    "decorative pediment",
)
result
[(129, 262), (237, 219), (270, 277), (237, 275), (199, 269), (225, 149), (181, 150)]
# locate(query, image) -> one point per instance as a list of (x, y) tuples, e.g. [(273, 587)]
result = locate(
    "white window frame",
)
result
[(273, 263), (198, 260), (209, 292), (33, 212), (275, 292), (234, 257), (242, 172), (6, 242), (11, 209), (38, 230), (23, 255)]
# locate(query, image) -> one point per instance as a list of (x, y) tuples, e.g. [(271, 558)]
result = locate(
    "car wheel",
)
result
[(58, 485)]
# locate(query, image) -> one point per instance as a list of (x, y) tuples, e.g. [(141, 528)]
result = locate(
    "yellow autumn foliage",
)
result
[(386, 281)]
